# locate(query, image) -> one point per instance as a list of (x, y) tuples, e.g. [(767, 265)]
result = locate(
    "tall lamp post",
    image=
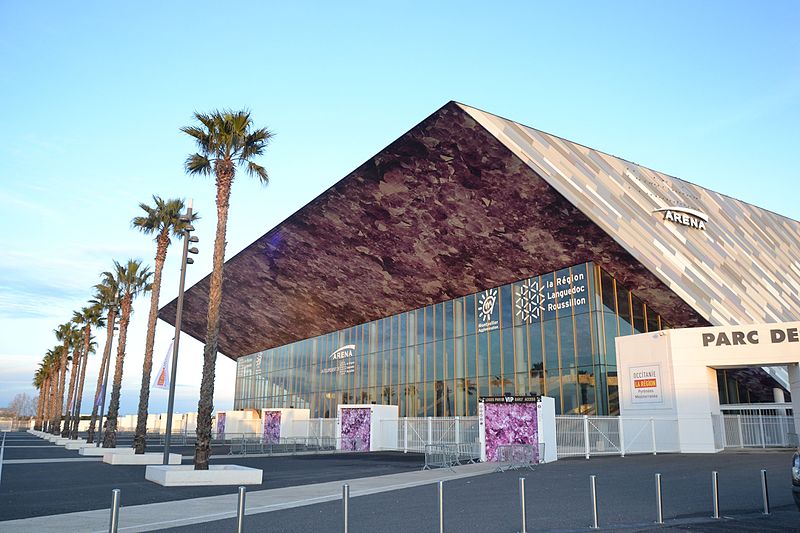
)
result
[(187, 238)]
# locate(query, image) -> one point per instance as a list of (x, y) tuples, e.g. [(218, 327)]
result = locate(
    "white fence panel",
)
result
[(604, 437), (612, 435), (585, 436), (638, 434), (570, 436), (322, 427), (759, 431), (413, 433), (665, 433)]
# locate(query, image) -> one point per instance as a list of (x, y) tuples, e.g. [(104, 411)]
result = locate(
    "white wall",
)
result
[(686, 361), (294, 422)]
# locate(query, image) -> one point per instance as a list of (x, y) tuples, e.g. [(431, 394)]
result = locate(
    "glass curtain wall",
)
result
[(551, 334)]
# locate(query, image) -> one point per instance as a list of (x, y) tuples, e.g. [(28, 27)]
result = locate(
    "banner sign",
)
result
[(341, 361), (645, 384), (220, 425), (504, 422), (100, 395), (162, 376), (356, 428), (271, 433), (509, 399)]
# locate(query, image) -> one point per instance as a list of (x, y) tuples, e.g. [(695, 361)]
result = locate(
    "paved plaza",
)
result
[(46, 488)]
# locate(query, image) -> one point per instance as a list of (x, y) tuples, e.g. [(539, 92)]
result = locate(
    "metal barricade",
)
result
[(440, 456), (468, 453), (517, 456)]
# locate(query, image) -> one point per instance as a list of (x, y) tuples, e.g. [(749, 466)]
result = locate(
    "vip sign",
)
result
[(645, 384)]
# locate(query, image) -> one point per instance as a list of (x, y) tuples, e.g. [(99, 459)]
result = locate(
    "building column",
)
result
[(794, 389)]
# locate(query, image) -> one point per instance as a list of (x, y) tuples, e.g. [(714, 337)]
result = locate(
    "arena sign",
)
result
[(342, 359), (684, 216)]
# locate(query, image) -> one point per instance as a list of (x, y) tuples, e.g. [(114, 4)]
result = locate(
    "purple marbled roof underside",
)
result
[(444, 211)]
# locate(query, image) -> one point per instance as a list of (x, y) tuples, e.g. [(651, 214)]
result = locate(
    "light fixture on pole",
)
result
[(187, 238)]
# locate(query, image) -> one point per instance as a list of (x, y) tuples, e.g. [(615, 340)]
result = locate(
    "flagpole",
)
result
[(179, 312)]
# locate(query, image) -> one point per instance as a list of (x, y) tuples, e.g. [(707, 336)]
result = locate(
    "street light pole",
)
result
[(187, 238)]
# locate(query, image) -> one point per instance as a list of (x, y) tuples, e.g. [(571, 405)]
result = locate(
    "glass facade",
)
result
[(551, 334)]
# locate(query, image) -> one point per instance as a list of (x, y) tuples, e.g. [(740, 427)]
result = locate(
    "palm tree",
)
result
[(163, 219), (88, 317), (133, 279), (85, 352), (107, 295), (42, 380), (74, 359), (64, 334), (39, 380), (53, 359), (226, 140), (48, 365)]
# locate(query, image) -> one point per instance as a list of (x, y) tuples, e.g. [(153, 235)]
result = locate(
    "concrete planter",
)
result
[(90, 449), (140, 459), (187, 476)]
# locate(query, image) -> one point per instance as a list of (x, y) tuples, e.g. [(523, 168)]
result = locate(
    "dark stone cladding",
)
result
[(444, 211)]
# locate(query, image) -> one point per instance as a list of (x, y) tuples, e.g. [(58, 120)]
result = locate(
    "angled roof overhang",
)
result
[(467, 201)]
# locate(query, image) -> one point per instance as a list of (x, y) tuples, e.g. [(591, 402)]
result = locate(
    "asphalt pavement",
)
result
[(557, 496), (558, 499), (37, 489)]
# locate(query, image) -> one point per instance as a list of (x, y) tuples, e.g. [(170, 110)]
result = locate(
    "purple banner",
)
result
[(356, 429), (272, 427), (511, 423), (220, 425)]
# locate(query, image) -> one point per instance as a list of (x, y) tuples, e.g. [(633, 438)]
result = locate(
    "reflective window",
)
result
[(552, 333)]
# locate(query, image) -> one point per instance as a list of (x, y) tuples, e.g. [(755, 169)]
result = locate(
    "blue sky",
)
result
[(94, 95)]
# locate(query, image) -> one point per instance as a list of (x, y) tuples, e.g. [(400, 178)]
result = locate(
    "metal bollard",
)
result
[(113, 523), (346, 505), (593, 485), (715, 493), (765, 491), (522, 504), (441, 507), (659, 501), (240, 511)]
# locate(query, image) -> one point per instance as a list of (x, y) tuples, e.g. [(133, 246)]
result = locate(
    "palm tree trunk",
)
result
[(40, 409), (76, 420), (76, 367), (48, 414), (139, 441), (110, 437), (106, 356), (59, 403), (53, 396), (205, 406)]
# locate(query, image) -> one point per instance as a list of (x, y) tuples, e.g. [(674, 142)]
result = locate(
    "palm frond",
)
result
[(227, 135), (198, 164), (255, 143), (258, 171)]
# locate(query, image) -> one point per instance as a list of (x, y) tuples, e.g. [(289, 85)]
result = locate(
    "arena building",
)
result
[(474, 257)]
